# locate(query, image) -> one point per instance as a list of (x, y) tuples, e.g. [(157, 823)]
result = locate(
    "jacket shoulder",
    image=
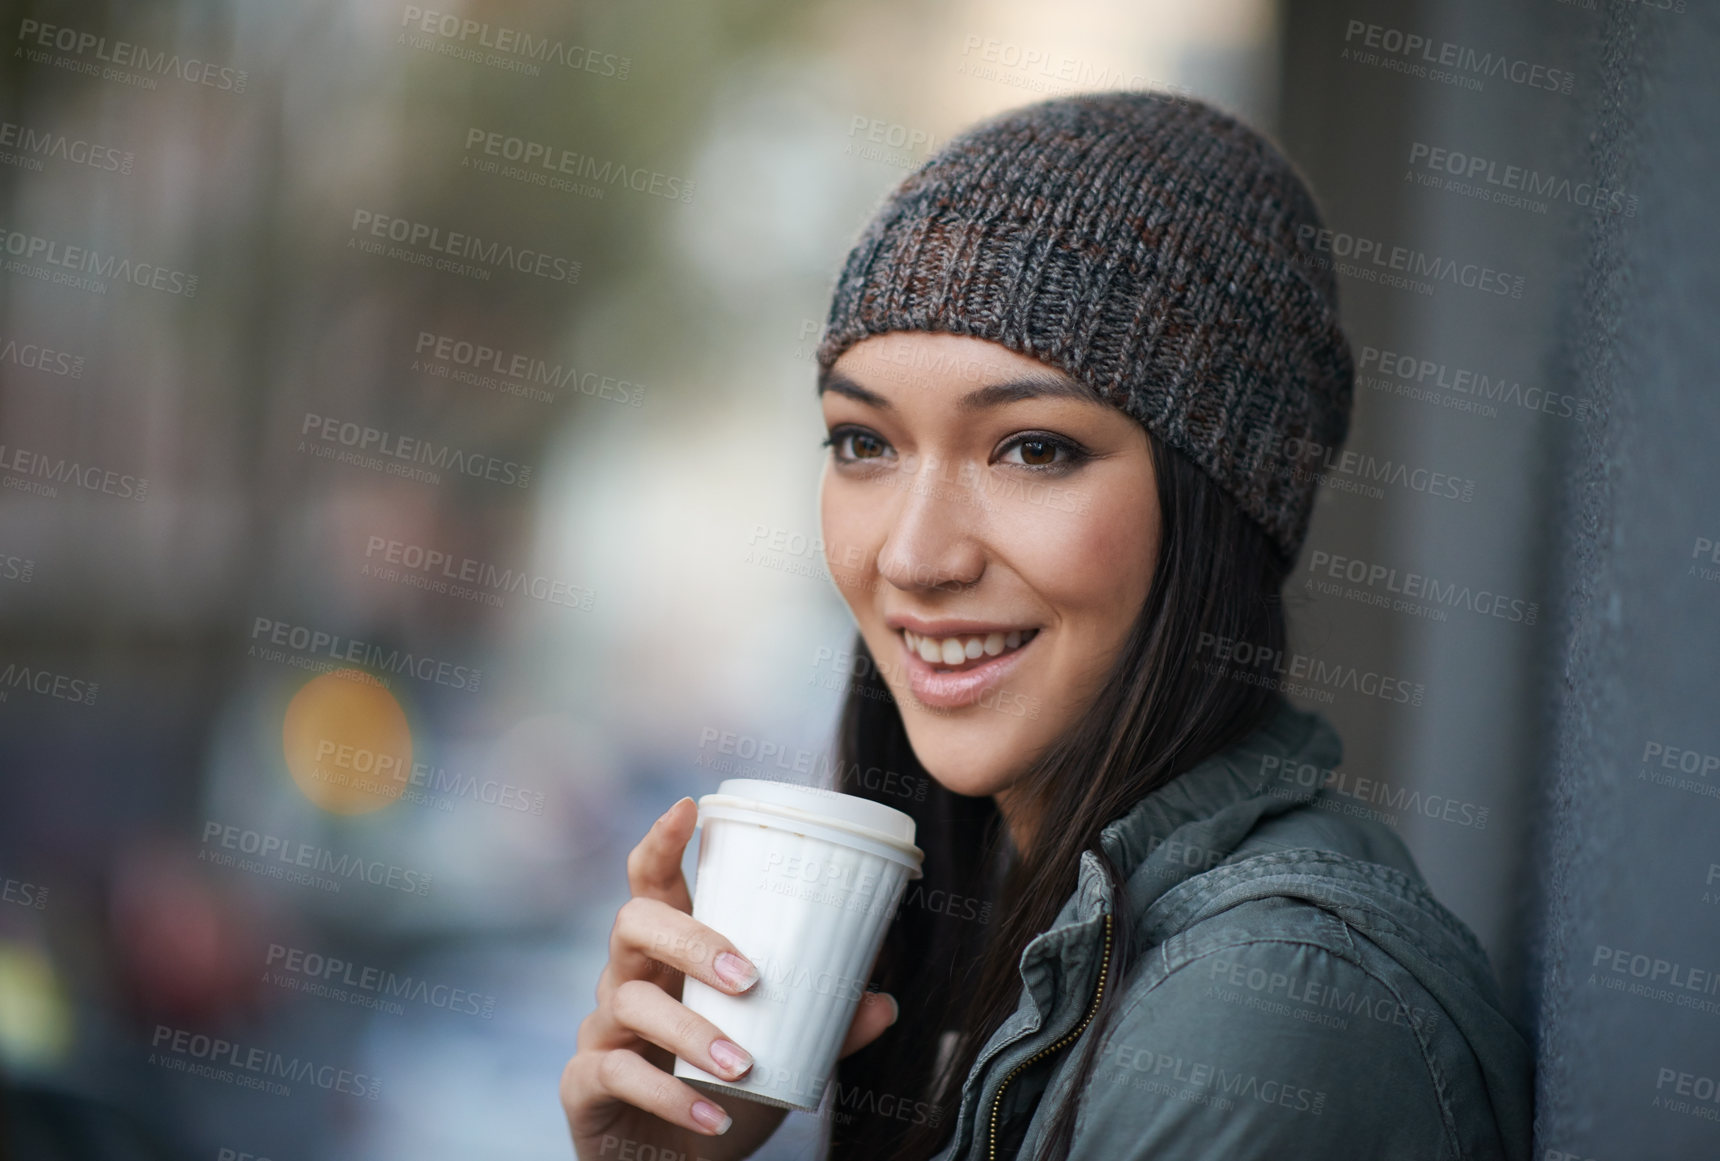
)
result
[(1264, 1033), (1330, 823)]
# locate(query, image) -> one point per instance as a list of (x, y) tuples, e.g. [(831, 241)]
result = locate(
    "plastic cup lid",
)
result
[(833, 805)]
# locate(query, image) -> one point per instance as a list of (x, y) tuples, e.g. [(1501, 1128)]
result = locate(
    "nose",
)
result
[(933, 541)]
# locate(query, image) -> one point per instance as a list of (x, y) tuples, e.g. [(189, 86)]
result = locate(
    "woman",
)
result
[(1074, 374)]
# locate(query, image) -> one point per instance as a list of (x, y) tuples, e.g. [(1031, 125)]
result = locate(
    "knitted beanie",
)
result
[(1147, 245)]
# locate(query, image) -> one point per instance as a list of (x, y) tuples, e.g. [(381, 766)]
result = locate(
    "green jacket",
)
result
[(1295, 991)]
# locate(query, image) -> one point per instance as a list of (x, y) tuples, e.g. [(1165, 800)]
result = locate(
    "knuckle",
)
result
[(628, 1003), (628, 913), (697, 946), (612, 1069), (590, 1030), (570, 1086), (688, 1028), (664, 1092), (628, 923)]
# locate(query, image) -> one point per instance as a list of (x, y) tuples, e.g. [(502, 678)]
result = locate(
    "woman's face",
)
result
[(994, 529)]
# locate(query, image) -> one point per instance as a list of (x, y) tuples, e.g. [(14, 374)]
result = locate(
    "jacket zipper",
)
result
[(1066, 1038)]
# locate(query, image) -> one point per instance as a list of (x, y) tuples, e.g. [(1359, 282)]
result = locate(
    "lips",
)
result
[(984, 659), (965, 650)]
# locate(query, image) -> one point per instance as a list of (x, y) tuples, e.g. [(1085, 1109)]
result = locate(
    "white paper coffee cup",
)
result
[(804, 882)]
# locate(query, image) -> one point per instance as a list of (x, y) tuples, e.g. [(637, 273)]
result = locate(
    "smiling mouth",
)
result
[(954, 654)]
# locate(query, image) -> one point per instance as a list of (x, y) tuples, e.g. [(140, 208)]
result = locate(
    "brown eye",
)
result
[(1037, 452), (852, 444), (865, 446), (1044, 453)]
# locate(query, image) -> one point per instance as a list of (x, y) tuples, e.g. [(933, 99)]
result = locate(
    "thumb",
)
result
[(876, 1012)]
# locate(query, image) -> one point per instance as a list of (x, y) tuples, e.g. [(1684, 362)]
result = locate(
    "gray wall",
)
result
[(1454, 386), (1629, 996), (1594, 490)]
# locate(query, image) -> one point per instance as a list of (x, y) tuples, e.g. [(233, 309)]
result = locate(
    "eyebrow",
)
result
[(1045, 384)]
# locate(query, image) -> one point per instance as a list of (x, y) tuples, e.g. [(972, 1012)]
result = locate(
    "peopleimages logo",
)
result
[(1418, 377), (1681, 985), (402, 455), (1292, 775), (427, 784), (825, 770), (334, 978), (779, 978), (1299, 673), (324, 646), (1206, 1083), (23, 894), (515, 373), (61, 259), (36, 357), (35, 39), (46, 683), (463, 577), (1517, 185), (848, 1102), (1312, 996), (1366, 258), (1403, 589), (890, 141), (1355, 470), (35, 472), (450, 250), (1427, 57), (1701, 1093), (279, 858), (33, 145), (17, 568), (496, 44), (225, 1060), (1034, 69), (539, 163)]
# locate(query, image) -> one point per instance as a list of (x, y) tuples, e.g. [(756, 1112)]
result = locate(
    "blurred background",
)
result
[(410, 464)]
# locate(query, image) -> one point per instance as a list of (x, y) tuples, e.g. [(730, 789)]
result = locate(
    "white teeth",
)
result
[(956, 650)]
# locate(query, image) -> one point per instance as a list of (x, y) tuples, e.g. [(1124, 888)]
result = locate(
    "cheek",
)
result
[(846, 524), (1085, 552)]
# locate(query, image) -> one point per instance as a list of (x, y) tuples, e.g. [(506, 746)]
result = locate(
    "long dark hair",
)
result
[(950, 957)]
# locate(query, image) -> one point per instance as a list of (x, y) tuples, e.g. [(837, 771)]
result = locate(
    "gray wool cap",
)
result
[(1149, 246)]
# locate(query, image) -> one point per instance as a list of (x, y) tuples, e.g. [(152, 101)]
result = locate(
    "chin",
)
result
[(974, 760)]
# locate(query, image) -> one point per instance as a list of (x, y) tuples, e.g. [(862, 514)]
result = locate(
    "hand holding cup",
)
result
[(617, 1087)]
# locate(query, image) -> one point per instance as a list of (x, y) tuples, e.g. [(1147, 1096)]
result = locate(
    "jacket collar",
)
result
[(1193, 823), (1177, 831)]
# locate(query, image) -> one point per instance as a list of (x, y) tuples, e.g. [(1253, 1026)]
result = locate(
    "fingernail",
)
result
[(730, 1057), (670, 811), (710, 1116), (895, 1010), (735, 971)]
